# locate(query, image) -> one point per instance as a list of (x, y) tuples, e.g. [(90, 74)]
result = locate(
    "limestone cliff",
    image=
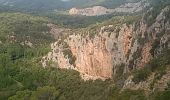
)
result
[(115, 45), (94, 11), (99, 10)]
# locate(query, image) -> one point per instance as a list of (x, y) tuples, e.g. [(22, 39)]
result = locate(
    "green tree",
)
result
[(45, 93), (21, 95)]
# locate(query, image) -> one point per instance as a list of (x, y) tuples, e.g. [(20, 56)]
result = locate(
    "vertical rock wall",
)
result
[(100, 57)]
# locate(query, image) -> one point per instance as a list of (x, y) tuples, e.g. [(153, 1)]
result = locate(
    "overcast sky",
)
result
[(65, 0)]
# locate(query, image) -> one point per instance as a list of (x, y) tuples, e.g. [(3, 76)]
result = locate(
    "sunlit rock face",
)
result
[(96, 57), (92, 57), (100, 57)]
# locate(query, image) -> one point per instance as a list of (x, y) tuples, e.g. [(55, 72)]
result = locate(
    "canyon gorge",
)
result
[(100, 56)]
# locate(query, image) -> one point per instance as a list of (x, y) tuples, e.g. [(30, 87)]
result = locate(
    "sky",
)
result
[(65, 0)]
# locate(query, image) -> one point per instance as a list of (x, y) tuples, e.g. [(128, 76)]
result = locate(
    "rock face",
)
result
[(155, 29), (94, 11), (145, 54), (132, 7), (99, 10), (96, 57), (100, 57), (93, 58)]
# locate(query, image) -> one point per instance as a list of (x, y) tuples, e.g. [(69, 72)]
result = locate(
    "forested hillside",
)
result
[(57, 10), (25, 39), (22, 76), (44, 5)]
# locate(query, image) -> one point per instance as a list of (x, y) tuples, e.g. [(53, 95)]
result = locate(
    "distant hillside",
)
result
[(18, 27), (41, 5)]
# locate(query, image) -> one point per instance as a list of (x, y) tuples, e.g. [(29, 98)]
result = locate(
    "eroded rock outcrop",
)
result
[(99, 10), (159, 36), (101, 56), (94, 11), (95, 58)]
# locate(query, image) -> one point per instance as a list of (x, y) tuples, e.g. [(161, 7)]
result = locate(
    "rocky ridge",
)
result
[(99, 10)]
